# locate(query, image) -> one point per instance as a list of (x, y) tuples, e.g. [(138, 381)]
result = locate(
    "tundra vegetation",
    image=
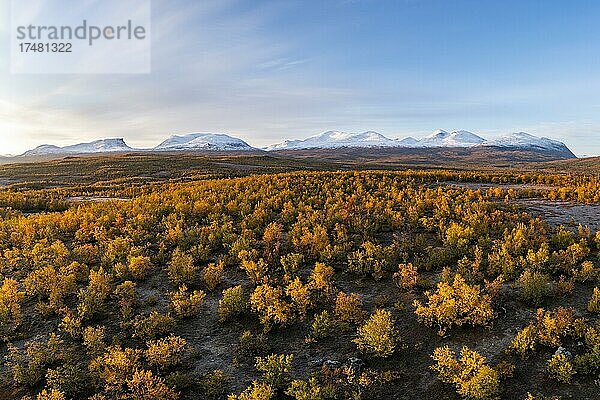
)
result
[(301, 285)]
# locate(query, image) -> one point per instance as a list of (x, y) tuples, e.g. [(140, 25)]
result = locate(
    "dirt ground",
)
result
[(564, 213)]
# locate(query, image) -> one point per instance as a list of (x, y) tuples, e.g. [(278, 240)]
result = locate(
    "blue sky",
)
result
[(267, 71)]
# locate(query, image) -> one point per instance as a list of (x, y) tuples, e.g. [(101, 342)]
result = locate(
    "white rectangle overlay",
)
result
[(80, 37)]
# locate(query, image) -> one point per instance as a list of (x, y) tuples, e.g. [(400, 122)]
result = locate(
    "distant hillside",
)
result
[(478, 156), (145, 167), (590, 165)]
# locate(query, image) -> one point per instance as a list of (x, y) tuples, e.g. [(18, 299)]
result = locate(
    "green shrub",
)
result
[(548, 329), (212, 275), (300, 296), (143, 385), (52, 394), (233, 303), (525, 341), (127, 298), (276, 369), (588, 363), (28, 366), (115, 367), (348, 308), (268, 302), (70, 379), (252, 345), (214, 384), (291, 263), (323, 326), (534, 286), (369, 260), (310, 390), (50, 284), (93, 298), (407, 276), (93, 340), (139, 267)]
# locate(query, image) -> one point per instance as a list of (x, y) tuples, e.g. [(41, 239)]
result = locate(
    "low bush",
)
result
[(182, 269), (534, 287), (214, 384), (212, 275), (276, 369), (185, 304), (594, 303), (233, 303), (324, 325), (152, 326), (94, 340), (457, 304), (268, 302), (560, 368), (377, 336), (166, 353), (139, 267), (469, 373), (348, 308), (251, 344), (407, 276), (256, 391)]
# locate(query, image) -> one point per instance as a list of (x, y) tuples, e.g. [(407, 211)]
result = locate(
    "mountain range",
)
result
[(326, 140)]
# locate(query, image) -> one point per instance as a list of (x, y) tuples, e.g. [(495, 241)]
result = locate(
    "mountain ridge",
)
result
[(96, 146), (326, 140)]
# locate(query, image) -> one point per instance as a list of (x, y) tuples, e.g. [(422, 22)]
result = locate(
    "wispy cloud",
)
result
[(252, 70), (213, 69)]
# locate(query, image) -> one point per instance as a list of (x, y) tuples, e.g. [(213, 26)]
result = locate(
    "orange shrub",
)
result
[(348, 308), (213, 275)]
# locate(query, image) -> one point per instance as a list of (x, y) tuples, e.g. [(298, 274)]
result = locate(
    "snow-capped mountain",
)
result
[(441, 138), (189, 142), (203, 141), (407, 142), (97, 146), (326, 140), (522, 140), (336, 139)]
